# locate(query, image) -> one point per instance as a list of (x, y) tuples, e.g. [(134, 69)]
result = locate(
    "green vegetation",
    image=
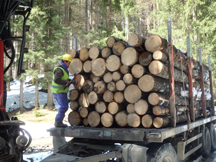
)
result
[(53, 24)]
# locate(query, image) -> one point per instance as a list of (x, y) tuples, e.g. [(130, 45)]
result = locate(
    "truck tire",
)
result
[(162, 153), (206, 142), (213, 137)]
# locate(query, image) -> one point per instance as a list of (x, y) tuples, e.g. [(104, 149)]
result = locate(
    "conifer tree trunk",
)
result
[(36, 95), (21, 96), (49, 96)]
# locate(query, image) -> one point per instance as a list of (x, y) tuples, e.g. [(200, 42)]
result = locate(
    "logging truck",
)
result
[(140, 100)]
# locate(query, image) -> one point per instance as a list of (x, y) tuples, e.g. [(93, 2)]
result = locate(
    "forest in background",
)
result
[(54, 23)]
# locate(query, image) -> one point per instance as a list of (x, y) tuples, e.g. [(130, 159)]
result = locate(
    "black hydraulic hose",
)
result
[(10, 45), (29, 137)]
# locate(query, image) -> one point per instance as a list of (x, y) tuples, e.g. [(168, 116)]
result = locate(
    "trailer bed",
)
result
[(127, 134)]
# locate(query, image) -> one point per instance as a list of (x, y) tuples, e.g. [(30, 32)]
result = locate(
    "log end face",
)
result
[(153, 98), (153, 43), (146, 83), (155, 67), (157, 110), (158, 122)]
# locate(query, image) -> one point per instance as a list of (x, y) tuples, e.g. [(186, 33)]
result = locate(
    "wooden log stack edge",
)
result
[(126, 84)]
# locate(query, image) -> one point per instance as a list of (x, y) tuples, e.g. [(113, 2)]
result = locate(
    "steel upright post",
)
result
[(189, 61), (171, 75), (211, 87), (1, 74)]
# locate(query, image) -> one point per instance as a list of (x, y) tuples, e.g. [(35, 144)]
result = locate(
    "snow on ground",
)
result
[(37, 157)]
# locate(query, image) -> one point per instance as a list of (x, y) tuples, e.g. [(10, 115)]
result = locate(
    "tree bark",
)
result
[(160, 122), (159, 69), (132, 93), (74, 118), (129, 56), (136, 40), (149, 83), (94, 119), (162, 99), (160, 110), (141, 107), (49, 96)]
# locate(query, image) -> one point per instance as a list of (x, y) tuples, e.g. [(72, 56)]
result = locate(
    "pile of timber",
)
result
[(127, 84)]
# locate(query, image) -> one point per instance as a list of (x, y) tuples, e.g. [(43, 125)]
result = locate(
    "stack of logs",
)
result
[(127, 84)]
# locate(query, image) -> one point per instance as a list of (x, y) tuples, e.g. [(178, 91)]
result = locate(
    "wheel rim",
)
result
[(213, 136), (167, 159)]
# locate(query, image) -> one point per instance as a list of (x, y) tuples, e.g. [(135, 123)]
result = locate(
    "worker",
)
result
[(60, 86)]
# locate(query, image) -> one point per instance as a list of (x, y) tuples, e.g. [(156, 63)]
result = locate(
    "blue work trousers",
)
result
[(61, 98)]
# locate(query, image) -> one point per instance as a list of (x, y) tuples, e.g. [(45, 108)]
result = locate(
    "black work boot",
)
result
[(60, 124)]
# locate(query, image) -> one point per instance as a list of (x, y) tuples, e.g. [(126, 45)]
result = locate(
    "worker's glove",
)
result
[(74, 80), (68, 84)]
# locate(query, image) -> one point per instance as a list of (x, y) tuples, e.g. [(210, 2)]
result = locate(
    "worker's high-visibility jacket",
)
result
[(58, 88)]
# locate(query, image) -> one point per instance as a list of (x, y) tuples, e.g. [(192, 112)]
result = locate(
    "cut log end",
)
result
[(121, 119), (98, 67), (94, 119), (129, 56), (74, 118), (155, 67), (147, 121), (141, 107), (107, 119), (132, 93), (133, 120), (146, 83), (154, 43)]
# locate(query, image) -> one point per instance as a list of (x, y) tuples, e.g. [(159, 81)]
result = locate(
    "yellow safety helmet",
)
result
[(67, 57)]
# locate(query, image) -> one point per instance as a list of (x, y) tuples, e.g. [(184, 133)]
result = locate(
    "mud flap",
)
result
[(131, 153)]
